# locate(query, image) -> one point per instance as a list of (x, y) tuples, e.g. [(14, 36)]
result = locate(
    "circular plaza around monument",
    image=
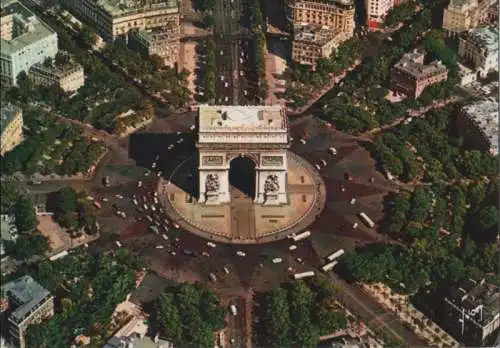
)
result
[(242, 221)]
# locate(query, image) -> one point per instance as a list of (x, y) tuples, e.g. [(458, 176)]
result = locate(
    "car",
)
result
[(165, 228), (212, 245), (303, 141), (150, 219), (153, 208), (342, 188), (292, 247), (222, 77), (241, 253), (299, 260), (159, 247), (86, 245), (323, 162), (147, 173), (192, 127), (204, 253), (157, 158), (173, 253), (118, 244), (176, 226), (158, 174), (145, 206), (105, 199), (317, 166), (188, 252), (119, 196), (180, 141), (226, 85), (355, 225), (221, 52), (277, 260), (212, 277), (164, 236), (155, 200), (155, 194), (139, 183), (233, 309), (226, 270), (153, 165), (171, 146), (352, 201), (348, 177)]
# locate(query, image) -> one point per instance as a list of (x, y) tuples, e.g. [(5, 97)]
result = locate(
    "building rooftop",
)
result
[(485, 115), (242, 119), (126, 7), (26, 295), (7, 113), (27, 28), (412, 64), (157, 35), (314, 34), (480, 300), (485, 37), (59, 71), (343, 3)]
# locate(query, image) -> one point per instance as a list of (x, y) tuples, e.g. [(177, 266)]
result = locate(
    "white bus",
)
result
[(303, 275), (366, 219), (336, 254), (58, 255), (300, 236), (329, 266)]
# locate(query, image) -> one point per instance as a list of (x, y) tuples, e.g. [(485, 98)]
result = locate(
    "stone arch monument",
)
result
[(259, 133)]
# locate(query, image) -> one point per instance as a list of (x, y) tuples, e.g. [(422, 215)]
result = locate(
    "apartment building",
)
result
[(479, 48), (26, 302), (25, 41), (164, 43), (11, 124), (113, 18), (472, 312), (376, 10), (336, 14), (461, 15), (312, 42), (478, 125), (69, 77), (410, 76)]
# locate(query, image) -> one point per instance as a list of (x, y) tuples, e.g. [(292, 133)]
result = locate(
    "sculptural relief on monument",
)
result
[(212, 160), (272, 161), (272, 184), (212, 183)]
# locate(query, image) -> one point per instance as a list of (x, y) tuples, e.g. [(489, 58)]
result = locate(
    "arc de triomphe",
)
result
[(259, 133)]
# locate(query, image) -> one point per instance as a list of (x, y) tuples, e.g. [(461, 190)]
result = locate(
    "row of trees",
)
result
[(91, 285), (188, 316), (296, 315), (257, 26), (73, 211), (209, 71), (29, 241), (302, 81), (66, 151), (364, 87), (450, 233), (400, 13), (426, 149)]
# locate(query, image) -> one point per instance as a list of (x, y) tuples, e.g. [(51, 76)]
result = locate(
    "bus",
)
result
[(366, 219), (300, 236), (58, 255), (303, 275), (329, 266), (336, 254)]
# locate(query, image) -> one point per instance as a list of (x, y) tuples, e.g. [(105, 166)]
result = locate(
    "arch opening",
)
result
[(242, 176)]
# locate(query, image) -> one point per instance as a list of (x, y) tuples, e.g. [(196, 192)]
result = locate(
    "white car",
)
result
[(105, 199), (277, 260), (147, 173), (211, 245), (355, 225), (292, 247), (135, 201), (323, 162), (155, 194), (352, 201), (180, 140), (204, 253), (153, 208), (164, 236), (150, 219), (317, 166), (192, 127), (233, 309), (118, 244), (155, 200), (226, 85), (241, 253), (159, 173), (226, 270), (119, 196), (139, 183), (171, 146), (159, 247), (145, 206), (176, 226), (303, 141)]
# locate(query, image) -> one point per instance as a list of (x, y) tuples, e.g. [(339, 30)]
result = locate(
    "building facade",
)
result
[(25, 41), (376, 10), (473, 312), (164, 43), (461, 15), (336, 14), (12, 128), (311, 43), (259, 133), (410, 76), (113, 18), (479, 48), (69, 77), (478, 125), (27, 302)]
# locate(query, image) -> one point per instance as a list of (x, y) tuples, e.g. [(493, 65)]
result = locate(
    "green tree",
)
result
[(277, 319), (168, 318), (24, 214)]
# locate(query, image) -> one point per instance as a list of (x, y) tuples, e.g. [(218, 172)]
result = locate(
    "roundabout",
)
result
[(241, 221)]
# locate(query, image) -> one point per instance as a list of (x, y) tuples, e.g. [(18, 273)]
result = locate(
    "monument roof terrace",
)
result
[(242, 119)]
